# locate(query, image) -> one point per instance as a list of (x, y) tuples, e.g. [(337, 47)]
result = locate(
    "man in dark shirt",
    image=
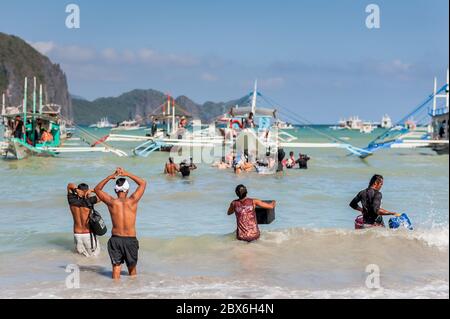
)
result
[(185, 168), (303, 161), (80, 203), (154, 127), (370, 200), (19, 128)]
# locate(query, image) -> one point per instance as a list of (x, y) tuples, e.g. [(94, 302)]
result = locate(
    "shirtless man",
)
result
[(80, 203), (171, 168), (123, 246)]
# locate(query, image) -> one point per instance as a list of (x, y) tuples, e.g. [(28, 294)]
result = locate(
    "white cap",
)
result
[(124, 188)]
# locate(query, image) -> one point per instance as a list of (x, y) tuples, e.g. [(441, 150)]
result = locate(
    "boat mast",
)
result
[(3, 104), (446, 91), (34, 96), (33, 129), (437, 96), (25, 108), (168, 113), (40, 99), (255, 94), (173, 117)]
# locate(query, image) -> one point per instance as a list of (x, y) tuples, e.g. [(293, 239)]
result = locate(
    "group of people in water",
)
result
[(247, 163), (40, 134), (184, 168), (123, 246)]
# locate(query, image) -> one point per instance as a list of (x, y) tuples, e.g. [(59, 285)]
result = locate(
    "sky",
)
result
[(316, 58)]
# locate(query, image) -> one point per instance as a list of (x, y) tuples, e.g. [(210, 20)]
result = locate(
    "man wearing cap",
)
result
[(80, 203), (123, 246)]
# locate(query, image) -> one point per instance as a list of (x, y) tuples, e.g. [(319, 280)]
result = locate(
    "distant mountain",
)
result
[(140, 104), (19, 60), (78, 97)]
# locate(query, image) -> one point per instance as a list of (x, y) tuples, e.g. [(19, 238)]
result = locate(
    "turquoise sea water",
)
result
[(187, 243)]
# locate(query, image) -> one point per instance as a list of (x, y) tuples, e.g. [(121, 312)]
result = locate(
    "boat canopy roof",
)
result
[(245, 111), (49, 110)]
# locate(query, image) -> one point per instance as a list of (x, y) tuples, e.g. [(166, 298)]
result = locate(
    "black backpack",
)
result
[(96, 224)]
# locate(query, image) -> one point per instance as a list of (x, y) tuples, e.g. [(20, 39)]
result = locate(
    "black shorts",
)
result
[(123, 250)]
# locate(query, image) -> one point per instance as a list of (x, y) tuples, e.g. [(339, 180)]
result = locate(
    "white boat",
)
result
[(103, 123), (284, 125), (229, 132), (127, 126), (40, 118), (386, 122), (353, 123), (356, 124), (367, 127)]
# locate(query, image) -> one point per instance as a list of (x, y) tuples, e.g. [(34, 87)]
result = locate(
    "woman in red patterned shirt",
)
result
[(245, 210)]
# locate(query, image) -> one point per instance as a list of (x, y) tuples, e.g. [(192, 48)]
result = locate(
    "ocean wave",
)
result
[(215, 288), (436, 237)]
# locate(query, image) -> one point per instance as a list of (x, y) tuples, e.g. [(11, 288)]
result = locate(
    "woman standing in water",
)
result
[(245, 210)]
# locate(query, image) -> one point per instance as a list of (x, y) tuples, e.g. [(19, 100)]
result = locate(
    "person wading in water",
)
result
[(123, 246), (245, 210)]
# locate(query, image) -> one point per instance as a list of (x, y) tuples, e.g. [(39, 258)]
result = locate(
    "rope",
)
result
[(404, 119), (303, 121), (94, 137)]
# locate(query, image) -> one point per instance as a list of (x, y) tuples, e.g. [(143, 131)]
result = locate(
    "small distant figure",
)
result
[(442, 130), (281, 155), (81, 200), (46, 136), (242, 164), (171, 169), (123, 247), (291, 161), (249, 121), (370, 199), (185, 168), (245, 210), (183, 123), (18, 127), (302, 161), (222, 164), (154, 127)]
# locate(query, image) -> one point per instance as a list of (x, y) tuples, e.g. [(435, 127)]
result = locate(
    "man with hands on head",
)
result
[(123, 246), (81, 201)]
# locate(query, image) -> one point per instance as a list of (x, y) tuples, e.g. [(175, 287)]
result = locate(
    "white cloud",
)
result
[(395, 66), (43, 47), (110, 55), (129, 56), (145, 56), (151, 57), (64, 53), (75, 53), (208, 77)]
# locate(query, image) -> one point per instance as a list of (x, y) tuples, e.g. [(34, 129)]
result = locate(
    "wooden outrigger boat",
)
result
[(36, 120), (228, 133), (406, 135)]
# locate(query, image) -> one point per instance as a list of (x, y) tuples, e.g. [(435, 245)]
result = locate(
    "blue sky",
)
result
[(315, 57)]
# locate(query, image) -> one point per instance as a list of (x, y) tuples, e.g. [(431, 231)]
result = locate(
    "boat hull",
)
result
[(441, 149), (19, 150)]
